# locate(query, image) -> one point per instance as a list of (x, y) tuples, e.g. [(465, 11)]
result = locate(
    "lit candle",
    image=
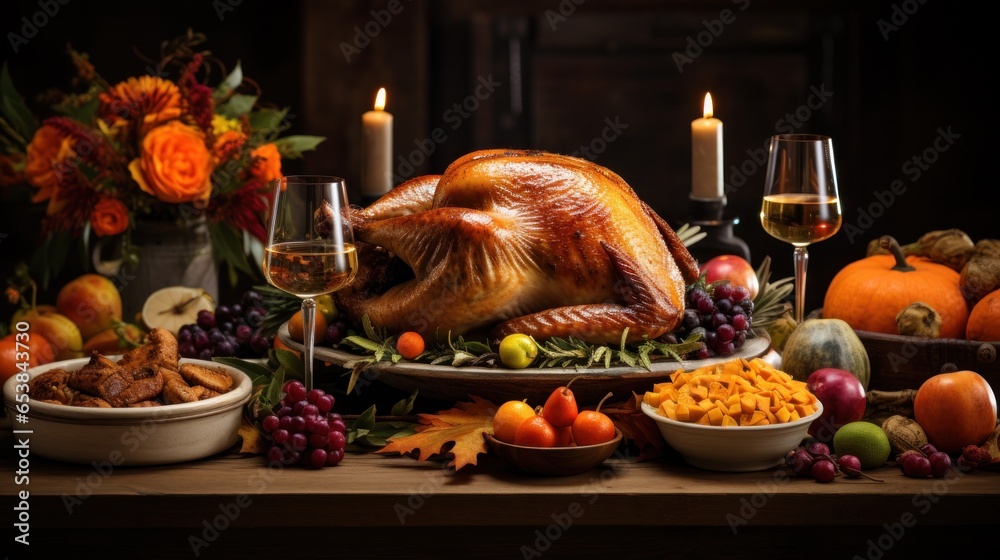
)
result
[(706, 154), (376, 173)]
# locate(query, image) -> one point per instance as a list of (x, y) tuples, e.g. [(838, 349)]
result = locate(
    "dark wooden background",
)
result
[(565, 69)]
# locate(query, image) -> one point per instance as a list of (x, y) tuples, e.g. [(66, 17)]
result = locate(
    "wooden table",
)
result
[(388, 506)]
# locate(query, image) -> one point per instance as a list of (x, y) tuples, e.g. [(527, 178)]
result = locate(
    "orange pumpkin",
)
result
[(869, 293), (984, 320)]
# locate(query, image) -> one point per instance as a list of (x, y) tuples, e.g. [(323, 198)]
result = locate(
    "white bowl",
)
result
[(129, 436), (733, 448)]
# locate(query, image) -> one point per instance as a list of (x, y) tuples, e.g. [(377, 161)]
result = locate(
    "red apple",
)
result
[(843, 398), (92, 302), (734, 268), (956, 409)]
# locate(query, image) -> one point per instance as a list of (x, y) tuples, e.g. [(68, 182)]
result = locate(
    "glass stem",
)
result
[(801, 260), (309, 328)]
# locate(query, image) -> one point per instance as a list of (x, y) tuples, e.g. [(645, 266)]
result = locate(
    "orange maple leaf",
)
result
[(638, 428), (464, 426)]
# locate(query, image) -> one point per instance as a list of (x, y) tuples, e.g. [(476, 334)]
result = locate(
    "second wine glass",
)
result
[(310, 246), (801, 201)]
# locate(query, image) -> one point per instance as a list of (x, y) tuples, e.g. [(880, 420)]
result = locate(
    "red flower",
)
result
[(243, 208), (110, 217)]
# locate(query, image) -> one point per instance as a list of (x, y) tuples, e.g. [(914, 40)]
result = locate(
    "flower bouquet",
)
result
[(164, 146)]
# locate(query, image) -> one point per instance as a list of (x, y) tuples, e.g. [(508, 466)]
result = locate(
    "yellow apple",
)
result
[(59, 330), (92, 302)]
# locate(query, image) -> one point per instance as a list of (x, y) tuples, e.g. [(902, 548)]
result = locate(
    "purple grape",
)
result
[(334, 457), (254, 318), (737, 310), (928, 449), (236, 311), (706, 306), (216, 336), (801, 462), (283, 411), (691, 319), (711, 340), (298, 441), (200, 340), (697, 295), (723, 291), (270, 423), (725, 349), (299, 406), (703, 354), (184, 335), (252, 297), (740, 293), (225, 349), (740, 322), (244, 332), (718, 320), (187, 350), (296, 390), (337, 439), (726, 333), (275, 455), (318, 458), (824, 471), (818, 448), (337, 426), (310, 410), (916, 466), (850, 465), (325, 403), (336, 332), (298, 424), (285, 422), (206, 319), (259, 343), (206, 353), (940, 464), (227, 327), (223, 314), (318, 440), (739, 339), (279, 436), (724, 306)]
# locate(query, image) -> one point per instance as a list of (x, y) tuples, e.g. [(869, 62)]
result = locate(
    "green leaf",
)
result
[(258, 373), (227, 246), (267, 119), (83, 112), (404, 406), (290, 361), (228, 85), (293, 146), (367, 419), (363, 343), (237, 105), (13, 107)]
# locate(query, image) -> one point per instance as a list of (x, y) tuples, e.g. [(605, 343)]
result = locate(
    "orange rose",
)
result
[(174, 165), (48, 149), (110, 217), (227, 144), (265, 163), (11, 170)]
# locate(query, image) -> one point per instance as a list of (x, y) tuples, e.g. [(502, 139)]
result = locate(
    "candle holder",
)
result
[(708, 214)]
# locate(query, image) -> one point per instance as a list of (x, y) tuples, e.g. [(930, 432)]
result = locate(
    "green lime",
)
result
[(326, 306), (518, 351), (864, 440)]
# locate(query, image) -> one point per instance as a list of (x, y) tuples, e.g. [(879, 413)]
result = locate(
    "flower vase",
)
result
[(170, 254)]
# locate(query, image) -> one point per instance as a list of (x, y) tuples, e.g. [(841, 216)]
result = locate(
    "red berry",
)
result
[(824, 471)]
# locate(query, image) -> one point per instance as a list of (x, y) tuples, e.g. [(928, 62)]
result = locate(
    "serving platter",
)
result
[(499, 384)]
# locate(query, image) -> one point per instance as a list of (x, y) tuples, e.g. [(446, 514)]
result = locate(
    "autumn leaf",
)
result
[(464, 426), (638, 428), (253, 440)]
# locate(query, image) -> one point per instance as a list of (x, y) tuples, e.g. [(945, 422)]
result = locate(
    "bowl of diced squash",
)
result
[(738, 416)]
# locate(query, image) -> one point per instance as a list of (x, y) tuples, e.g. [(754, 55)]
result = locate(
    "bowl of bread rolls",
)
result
[(144, 407)]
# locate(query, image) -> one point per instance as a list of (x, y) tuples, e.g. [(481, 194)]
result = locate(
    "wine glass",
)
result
[(801, 203), (310, 245)]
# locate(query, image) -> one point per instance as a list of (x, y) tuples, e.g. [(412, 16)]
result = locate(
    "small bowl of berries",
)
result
[(555, 439)]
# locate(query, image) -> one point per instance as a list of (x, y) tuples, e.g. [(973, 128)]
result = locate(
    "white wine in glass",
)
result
[(310, 246), (801, 201)]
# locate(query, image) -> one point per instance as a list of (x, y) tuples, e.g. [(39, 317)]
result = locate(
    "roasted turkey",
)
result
[(510, 241)]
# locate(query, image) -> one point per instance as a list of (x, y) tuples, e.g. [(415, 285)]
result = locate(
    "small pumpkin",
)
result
[(984, 320), (869, 293), (825, 343)]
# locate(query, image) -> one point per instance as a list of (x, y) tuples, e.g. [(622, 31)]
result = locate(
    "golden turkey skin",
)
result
[(511, 241)]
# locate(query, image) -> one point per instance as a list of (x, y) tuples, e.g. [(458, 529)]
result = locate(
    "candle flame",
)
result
[(380, 100), (708, 106)]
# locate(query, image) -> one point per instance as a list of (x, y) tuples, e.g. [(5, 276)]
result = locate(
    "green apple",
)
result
[(518, 351)]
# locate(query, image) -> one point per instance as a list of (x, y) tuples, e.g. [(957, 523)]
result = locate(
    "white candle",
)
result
[(376, 173), (706, 154)]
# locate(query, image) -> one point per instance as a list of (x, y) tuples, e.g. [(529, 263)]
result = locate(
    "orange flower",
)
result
[(265, 163), (110, 217), (174, 165), (146, 100), (46, 160), (11, 169), (228, 144)]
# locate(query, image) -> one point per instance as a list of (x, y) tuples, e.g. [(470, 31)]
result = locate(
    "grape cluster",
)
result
[(231, 331), (305, 430), (722, 314), (927, 461), (815, 460)]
